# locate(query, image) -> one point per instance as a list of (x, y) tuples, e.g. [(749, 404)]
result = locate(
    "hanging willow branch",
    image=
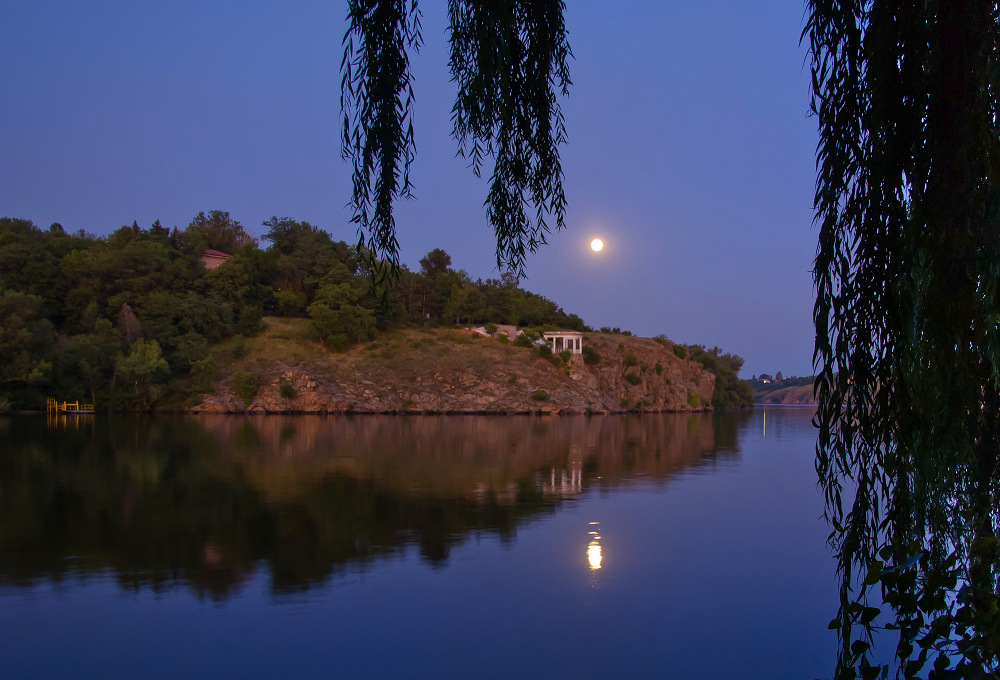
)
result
[(907, 279), (510, 60), (377, 103)]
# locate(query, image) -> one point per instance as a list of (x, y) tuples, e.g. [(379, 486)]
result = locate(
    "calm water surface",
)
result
[(679, 546)]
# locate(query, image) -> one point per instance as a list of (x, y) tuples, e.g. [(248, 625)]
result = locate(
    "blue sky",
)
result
[(690, 149)]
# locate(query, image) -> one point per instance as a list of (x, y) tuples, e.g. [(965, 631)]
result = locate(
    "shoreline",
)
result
[(554, 412)]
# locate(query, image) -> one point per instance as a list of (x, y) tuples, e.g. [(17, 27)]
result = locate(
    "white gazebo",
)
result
[(565, 341)]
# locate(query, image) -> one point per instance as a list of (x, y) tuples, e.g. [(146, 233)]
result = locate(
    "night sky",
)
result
[(691, 152)]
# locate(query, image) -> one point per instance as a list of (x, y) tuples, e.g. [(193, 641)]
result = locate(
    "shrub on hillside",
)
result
[(590, 355), (338, 342), (545, 352), (681, 351), (631, 359), (491, 328), (523, 341), (247, 386), (239, 349), (540, 395), (203, 374), (287, 391), (632, 379)]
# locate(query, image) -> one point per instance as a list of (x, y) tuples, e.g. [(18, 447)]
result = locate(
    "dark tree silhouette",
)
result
[(509, 60), (908, 301)]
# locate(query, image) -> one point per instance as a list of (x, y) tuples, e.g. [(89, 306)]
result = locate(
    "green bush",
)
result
[(239, 349), (681, 351), (203, 374), (545, 352), (491, 328), (658, 368), (693, 399), (540, 395), (523, 341), (632, 379), (565, 355), (590, 355), (663, 340), (247, 386), (287, 391), (290, 302), (643, 367), (631, 359), (251, 320), (338, 342), (624, 402)]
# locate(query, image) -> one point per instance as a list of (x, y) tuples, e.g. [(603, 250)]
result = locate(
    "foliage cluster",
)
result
[(907, 293), (73, 305), (730, 391)]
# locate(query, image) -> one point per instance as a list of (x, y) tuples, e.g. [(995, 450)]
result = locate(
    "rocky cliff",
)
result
[(452, 371)]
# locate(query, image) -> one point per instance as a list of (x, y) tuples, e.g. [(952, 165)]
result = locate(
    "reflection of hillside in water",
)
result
[(204, 501)]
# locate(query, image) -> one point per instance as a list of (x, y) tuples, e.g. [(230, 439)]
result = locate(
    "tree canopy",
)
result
[(120, 316)]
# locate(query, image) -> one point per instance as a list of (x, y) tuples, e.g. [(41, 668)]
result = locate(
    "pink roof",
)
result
[(216, 253)]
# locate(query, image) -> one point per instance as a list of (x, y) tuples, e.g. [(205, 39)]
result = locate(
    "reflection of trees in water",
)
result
[(204, 501)]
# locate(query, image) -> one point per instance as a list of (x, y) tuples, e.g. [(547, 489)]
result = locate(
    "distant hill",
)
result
[(787, 391)]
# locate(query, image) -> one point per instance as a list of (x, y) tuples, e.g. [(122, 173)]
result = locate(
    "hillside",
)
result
[(448, 371), (800, 394), (787, 391)]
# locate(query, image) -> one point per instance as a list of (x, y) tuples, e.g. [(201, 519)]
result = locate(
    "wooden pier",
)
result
[(73, 408)]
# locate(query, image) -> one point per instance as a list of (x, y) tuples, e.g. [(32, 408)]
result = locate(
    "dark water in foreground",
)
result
[(419, 547)]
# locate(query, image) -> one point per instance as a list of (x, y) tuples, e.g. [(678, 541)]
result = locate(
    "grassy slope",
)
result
[(447, 369)]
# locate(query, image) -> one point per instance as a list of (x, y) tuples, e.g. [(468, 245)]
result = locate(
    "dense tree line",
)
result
[(730, 391), (121, 320)]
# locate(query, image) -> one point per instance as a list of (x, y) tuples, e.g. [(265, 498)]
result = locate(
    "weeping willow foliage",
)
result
[(377, 103), (509, 61), (907, 306)]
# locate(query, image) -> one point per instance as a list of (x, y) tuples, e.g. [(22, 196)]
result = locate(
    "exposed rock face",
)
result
[(453, 372)]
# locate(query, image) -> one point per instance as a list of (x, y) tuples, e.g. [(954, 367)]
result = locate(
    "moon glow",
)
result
[(597, 245)]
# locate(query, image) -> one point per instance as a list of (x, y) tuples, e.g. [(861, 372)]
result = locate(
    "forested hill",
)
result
[(134, 320)]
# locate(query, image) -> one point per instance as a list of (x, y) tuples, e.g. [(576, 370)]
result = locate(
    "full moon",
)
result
[(596, 245)]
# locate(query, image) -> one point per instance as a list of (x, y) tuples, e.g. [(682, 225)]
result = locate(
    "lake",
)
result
[(677, 546)]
